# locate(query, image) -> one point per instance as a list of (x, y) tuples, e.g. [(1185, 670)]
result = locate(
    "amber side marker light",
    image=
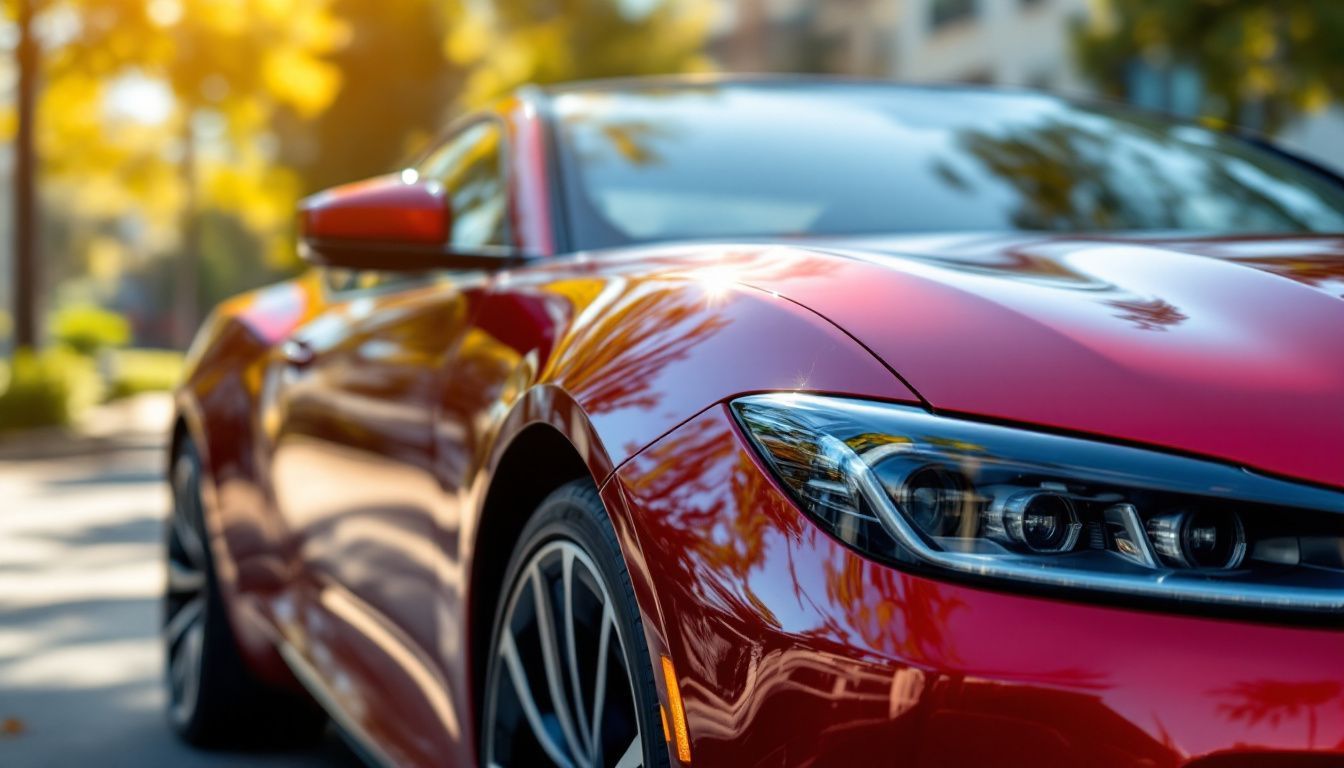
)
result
[(678, 714)]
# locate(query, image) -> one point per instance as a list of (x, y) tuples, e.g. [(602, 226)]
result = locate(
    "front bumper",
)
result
[(791, 649)]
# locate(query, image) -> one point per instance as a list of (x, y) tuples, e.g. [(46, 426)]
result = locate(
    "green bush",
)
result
[(87, 329), (44, 389), (133, 371)]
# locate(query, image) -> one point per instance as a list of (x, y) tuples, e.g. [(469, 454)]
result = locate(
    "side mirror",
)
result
[(391, 222)]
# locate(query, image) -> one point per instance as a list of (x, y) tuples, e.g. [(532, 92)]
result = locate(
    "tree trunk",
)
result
[(186, 288), (27, 285)]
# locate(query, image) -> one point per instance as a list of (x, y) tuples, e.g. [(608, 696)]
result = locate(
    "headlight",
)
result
[(984, 502)]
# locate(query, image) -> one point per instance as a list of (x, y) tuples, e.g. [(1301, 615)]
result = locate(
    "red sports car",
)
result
[(781, 422)]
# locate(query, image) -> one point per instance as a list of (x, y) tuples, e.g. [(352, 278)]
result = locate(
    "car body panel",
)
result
[(367, 547), (218, 410), (792, 649)]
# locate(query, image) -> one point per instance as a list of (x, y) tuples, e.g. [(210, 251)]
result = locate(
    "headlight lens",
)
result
[(1002, 504)]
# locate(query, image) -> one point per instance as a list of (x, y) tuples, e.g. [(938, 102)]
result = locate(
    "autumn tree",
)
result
[(150, 112), (511, 42), (1260, 62), (230, 66), (396, 87), (188, 128)]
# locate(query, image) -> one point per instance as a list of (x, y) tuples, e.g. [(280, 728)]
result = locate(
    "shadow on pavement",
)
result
[(80, 577)]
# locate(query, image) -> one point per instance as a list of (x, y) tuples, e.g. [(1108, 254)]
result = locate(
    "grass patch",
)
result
[(133, 371), (87, 329), (46, 389), (52, 387)]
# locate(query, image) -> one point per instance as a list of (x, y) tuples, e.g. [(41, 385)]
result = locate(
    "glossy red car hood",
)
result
[(1227, 348)]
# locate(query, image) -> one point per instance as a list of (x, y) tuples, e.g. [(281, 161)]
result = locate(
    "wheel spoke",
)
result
[(550, 657), (509, 653), (188, 537), (567, 575), (600, 683), (177, 671), (187, 668), (183, 620), (182, 485), (183, 579), (195, 647), (634, 754)]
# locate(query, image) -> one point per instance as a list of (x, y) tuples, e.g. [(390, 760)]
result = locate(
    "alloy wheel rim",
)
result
[(185, 599), (562, 689)]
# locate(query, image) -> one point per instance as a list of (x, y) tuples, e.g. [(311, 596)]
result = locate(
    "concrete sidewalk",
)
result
[(141, 421), (80, 577)]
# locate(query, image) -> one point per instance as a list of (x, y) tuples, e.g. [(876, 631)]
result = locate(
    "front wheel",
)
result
[(570, 682)]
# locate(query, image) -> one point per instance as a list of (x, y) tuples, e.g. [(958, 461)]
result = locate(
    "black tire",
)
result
[(213, 699), (570, 531)]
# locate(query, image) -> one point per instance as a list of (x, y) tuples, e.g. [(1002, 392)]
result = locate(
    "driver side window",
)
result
[(471, 168)]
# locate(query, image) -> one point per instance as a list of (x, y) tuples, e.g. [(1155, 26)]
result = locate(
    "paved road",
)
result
[(80, 574)]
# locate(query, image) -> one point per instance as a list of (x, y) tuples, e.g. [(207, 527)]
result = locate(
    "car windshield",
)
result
[(801, 159)]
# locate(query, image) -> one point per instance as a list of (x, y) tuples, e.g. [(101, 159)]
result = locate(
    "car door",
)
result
[(353, 469)]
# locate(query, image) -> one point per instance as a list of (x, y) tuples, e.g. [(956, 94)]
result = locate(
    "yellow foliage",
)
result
[(105, 257), (1260, 79), (261, 194), (1261, 40), (468, 40), (1301, 24), (304, 83), (1260, 62), (98, 167), (1101, 17), (87, 329), (238, 68), (245, 117), (227, 17), (1316, 97), (235, 62), (8, 123), (506, 45)]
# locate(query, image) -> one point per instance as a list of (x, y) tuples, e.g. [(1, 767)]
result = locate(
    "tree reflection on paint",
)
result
[(1273, 702)]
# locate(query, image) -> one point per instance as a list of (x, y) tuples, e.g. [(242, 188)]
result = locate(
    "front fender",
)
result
[(613, 362), (615, 354), (642, 353)]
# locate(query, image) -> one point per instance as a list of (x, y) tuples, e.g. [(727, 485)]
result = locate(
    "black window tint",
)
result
[(471, 168)]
